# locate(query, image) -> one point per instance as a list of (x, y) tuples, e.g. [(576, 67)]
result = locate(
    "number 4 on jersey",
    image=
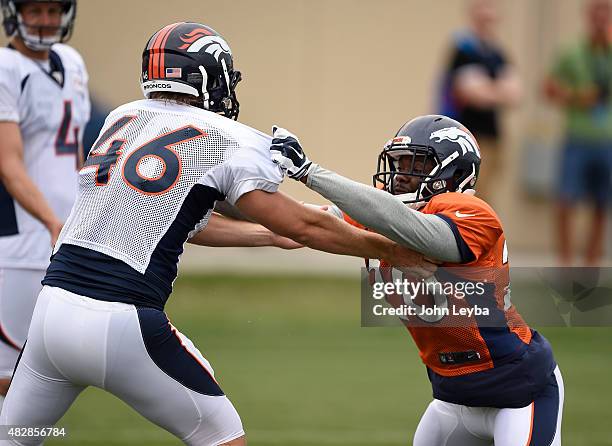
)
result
[(63, 145), (105, 160), (159, 150)]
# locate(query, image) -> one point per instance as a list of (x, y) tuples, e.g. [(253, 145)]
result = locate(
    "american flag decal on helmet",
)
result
[(174, 72)]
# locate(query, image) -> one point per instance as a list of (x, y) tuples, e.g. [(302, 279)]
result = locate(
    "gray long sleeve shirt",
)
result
[(387, 215)]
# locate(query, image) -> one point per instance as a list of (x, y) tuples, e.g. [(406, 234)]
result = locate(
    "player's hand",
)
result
[(289, 155), (316, 207), (54, 228), (284, 242)]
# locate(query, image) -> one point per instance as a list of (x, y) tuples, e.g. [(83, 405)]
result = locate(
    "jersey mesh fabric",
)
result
[(125, 223), (496, 338), (514, 363)]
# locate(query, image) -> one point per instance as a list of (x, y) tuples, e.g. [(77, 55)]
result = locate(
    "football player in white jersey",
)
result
[(44, 106), (149, 184)]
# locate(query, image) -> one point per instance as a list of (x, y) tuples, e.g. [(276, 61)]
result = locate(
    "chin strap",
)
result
[(410, 197)]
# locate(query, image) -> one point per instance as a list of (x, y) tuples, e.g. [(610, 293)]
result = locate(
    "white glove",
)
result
[(288, 154)]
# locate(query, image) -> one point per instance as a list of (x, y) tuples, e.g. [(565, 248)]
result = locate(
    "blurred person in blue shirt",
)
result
[(478, 82)]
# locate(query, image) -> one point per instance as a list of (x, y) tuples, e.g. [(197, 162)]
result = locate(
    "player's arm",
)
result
[(15, 178), (320, 230), (223, 231), (227, 210), (374, 208), (385, 214)]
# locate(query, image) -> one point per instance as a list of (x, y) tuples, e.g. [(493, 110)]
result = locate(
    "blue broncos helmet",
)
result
[(429, 155)]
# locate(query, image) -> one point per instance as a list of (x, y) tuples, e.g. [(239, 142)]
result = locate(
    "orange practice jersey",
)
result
[(474, 344)]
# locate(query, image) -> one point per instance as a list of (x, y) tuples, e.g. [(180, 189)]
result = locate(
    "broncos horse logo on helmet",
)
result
[(192, 59), (461, 137), (198, 39), (428, 156)]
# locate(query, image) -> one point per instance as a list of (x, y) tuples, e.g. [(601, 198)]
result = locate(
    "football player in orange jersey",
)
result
[(494, 379)]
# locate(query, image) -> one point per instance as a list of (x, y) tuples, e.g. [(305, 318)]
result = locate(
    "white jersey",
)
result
[(51, 105), (150, 182)]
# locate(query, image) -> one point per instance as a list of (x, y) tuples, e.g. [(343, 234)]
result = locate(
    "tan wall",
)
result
[(342, 74)]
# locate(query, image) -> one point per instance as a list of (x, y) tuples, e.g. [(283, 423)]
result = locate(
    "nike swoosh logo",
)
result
[(460, 215), (299, 155)]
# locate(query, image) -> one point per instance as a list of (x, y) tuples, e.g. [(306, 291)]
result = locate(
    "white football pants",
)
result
[(134, 353), (539, 424), (19, 289)]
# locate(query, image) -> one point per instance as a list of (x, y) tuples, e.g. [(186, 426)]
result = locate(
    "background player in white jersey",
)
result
[(149, 184), (44, 106)]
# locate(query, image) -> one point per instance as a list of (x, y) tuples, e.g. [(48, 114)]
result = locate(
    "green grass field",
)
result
[(290, 353)]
